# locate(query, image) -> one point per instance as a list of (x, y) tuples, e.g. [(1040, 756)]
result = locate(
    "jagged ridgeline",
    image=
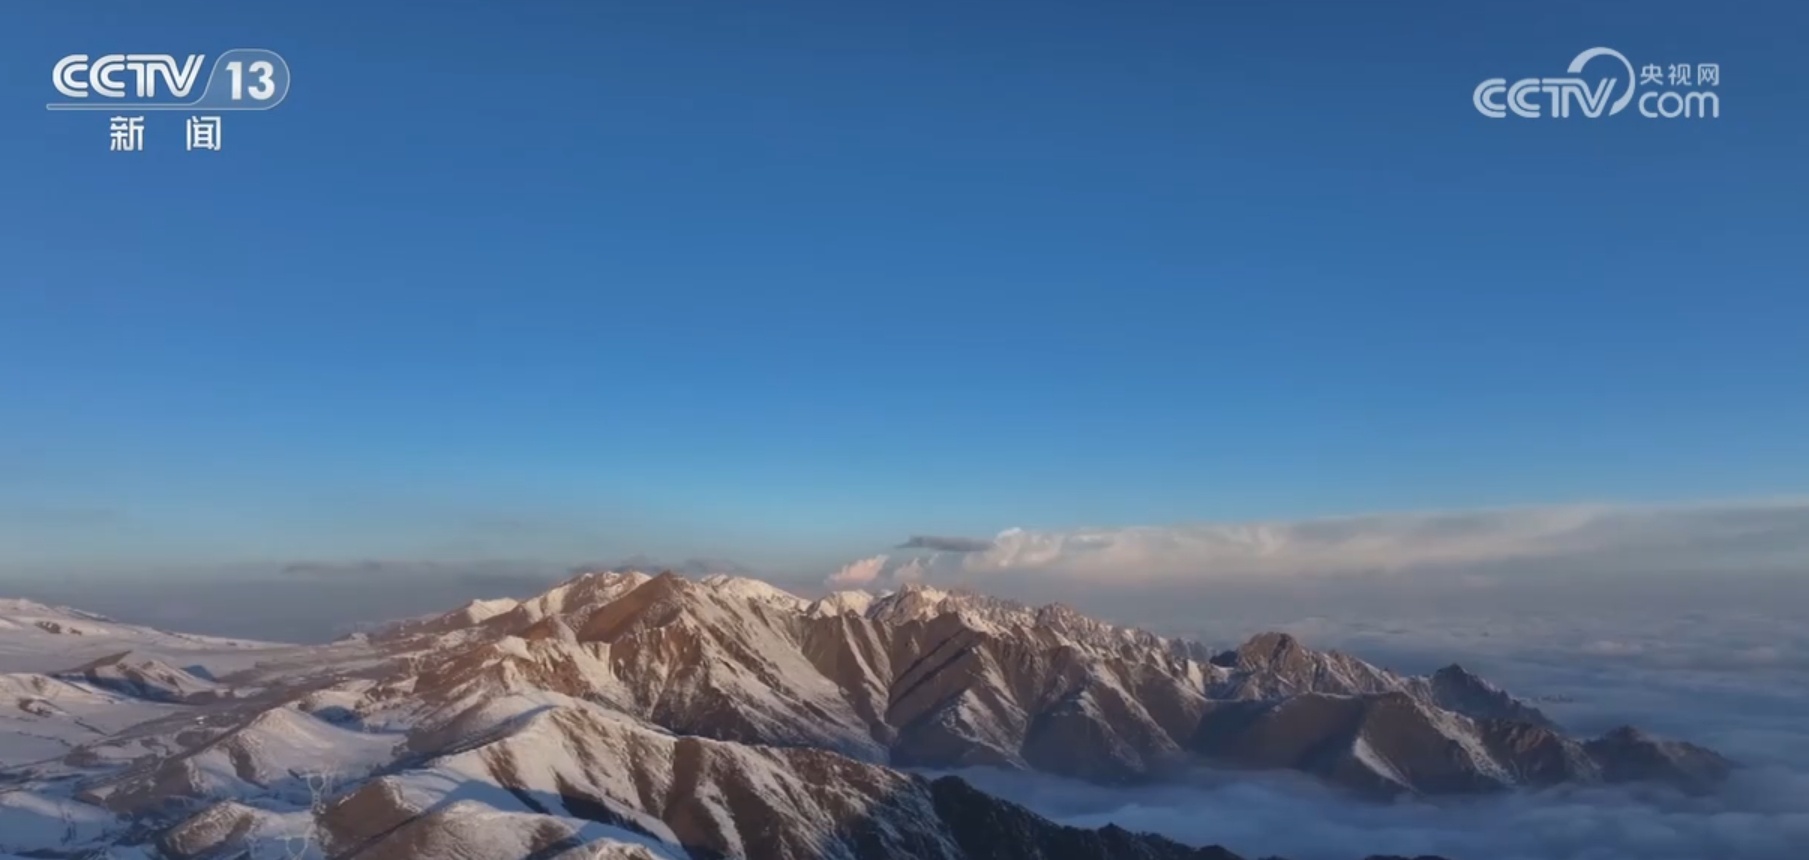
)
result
[(627, 715)]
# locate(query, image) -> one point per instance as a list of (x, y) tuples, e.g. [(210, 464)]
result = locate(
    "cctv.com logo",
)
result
[(1681, 90)]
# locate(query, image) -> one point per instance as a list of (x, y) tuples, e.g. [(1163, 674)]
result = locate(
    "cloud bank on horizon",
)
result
[(1732, 677), (1686, 539)]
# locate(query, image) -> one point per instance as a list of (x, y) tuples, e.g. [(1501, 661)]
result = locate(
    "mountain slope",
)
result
[(627, 715), (935, 679)]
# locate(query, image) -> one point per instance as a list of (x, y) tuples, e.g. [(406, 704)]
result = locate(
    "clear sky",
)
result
[(789, 281)]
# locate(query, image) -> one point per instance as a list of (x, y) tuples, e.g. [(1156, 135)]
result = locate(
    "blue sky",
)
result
[(788, 282)]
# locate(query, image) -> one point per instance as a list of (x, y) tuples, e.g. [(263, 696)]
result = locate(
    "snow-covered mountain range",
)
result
[(623, 714)]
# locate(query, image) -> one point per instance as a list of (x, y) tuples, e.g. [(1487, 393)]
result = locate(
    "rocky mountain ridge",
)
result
[(929, 678), (629, 715)]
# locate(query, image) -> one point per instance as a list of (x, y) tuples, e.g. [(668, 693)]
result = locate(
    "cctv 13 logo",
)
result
[(239, 79)]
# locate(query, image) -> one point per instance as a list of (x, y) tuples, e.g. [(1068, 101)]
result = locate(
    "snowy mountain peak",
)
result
[(1458, 689), (1271, 649), (483, 610), (16, 607), (912, 602), (843, 603), (667, 718), (16, 614), (752, 589)]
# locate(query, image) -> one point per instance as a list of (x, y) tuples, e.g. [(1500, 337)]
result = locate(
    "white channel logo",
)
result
[(76, 77), (248, 79), (1556, 97)]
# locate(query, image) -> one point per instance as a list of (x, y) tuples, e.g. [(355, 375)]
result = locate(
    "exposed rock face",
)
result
[(623, 715), (1389, 743), (1276, 665), (583, 778), (927, 678), (1455, 689), (985, 827), (1627, 754), (143, 678)]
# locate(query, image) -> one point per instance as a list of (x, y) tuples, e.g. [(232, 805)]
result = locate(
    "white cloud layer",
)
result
[(1695, 659), (1689, 621), (1692, 622), (1697, 538), (1760, 816), (860, 574)]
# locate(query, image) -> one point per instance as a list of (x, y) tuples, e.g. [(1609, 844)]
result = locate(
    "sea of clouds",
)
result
[(1691, 622), (1717, 661), (1762, 815), (1688, 621)]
